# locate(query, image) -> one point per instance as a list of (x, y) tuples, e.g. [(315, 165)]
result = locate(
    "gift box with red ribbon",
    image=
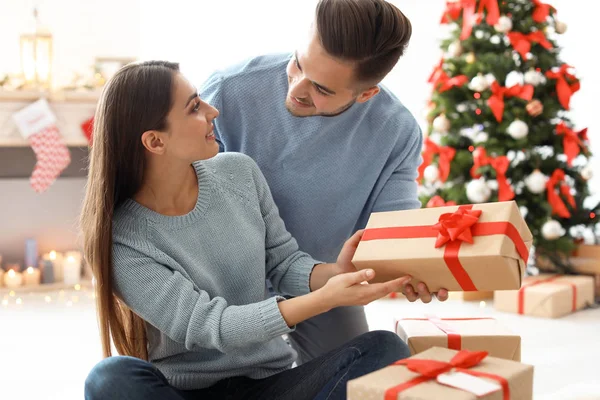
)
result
[(460, 248), (440, 373), (586, 259), (475, 334), (547, 295)]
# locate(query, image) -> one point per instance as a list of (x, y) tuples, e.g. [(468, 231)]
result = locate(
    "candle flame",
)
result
[(30, 270), (11, 273), (71, 259), (53, 255)]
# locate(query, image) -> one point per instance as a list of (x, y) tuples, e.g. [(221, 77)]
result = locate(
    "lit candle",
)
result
[(72, 268), (57, 264), (31, 277), (13, 279), (47, 268), (31, 252)]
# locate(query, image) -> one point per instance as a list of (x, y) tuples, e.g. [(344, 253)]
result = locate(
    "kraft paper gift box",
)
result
[(420, 380), (585, 259), (474, 334), (547, 295), (480, 247)]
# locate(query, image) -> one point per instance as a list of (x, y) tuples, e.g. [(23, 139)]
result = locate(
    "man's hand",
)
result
[(423, 293)]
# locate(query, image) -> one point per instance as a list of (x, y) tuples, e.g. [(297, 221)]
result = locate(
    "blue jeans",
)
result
[(325, 377)]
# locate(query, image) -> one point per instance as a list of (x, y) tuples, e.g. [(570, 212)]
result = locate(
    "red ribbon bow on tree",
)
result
[(522, 43), (438, 201), (558, 206), (442, 82), (572, 141), (446, 155), (496, 100), (500, 164), (541, 11), (437, 71), (563, 89), (454, 8), (431, 369), (456, 226)]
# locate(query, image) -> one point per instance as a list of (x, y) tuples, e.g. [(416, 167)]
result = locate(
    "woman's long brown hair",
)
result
[(137, 99)]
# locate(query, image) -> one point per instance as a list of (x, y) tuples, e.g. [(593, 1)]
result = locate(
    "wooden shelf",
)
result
[(87, 96), (20, 142)]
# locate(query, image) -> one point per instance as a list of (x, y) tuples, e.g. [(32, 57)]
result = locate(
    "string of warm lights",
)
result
[(68, 296)]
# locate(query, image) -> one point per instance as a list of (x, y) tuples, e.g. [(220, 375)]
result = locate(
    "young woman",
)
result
[(181, 241)]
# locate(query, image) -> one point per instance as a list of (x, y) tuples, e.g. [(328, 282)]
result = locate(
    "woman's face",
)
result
[(190, 124)]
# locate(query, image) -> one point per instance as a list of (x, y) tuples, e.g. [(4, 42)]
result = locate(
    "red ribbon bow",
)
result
[(558, 206), (572, 143), (437, 71), (446, 155), (442, 82), (454, 8), (522, 43), (496, 100), (438, 201), (430, 369), (456, 226), (564, 90), (445, 83), (541, 11), (500, 164)]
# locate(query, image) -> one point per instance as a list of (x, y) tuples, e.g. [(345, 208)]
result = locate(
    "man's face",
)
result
[(320, 84)]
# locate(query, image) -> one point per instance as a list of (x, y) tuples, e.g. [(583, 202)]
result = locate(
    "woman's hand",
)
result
[(353, 289), (344, 264)]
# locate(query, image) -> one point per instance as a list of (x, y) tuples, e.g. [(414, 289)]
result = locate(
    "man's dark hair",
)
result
[(372, 34)]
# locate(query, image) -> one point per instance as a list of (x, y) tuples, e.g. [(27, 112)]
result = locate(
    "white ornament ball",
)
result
[(441, 124), (536, 182), (495, 39), (492, 184), (479, 83), (518, 129), (534, 77), (481, 137), (431, 173), (478, 191), (587, 172), (504, 24), (524, 211), (514, 78), (560, 27), (455, 49), (461, 108), (552, 230)]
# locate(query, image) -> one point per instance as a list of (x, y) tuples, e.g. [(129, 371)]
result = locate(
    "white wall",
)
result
[(82, 30)]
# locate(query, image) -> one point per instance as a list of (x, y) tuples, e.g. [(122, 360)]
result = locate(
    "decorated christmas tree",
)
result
[(499, 126)]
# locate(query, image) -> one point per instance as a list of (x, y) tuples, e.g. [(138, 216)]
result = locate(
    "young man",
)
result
[(333, 144)]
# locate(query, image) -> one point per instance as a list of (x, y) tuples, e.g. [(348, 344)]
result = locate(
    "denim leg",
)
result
[(128, 378), (325, 377), (326, 332)]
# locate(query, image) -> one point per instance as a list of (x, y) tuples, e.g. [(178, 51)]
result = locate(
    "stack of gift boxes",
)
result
[(478, 250)]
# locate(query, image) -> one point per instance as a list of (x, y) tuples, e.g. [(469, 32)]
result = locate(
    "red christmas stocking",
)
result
[(37, 123)]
